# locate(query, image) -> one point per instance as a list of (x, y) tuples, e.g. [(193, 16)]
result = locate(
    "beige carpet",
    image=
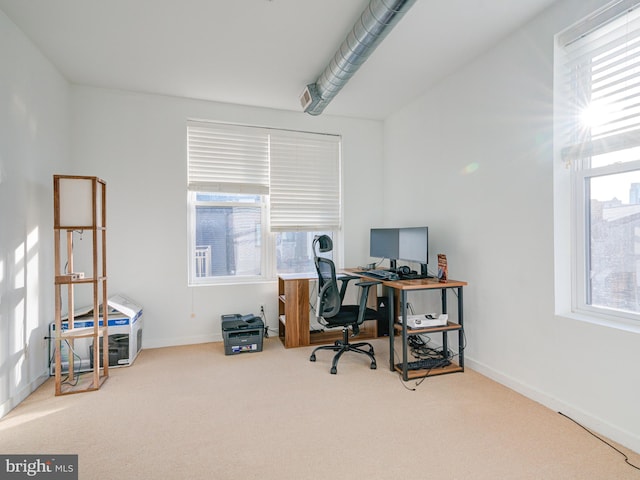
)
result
[(193, 413)]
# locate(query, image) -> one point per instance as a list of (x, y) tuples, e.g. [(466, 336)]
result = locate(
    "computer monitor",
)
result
[(384, 243), (410, 244), (414, 244)]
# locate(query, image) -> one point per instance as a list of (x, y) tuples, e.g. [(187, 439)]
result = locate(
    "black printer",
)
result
[(242, 333)]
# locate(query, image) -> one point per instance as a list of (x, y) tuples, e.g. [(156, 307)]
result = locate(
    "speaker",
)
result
[(383, 321)]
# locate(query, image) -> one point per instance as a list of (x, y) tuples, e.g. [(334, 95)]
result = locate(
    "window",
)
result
[(598, 135), (294, 253), (257, 197), (230, 226)]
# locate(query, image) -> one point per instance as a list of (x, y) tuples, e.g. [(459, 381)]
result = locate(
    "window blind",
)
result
[(300, 171), (602, 83), (227, 158), (305, 182)]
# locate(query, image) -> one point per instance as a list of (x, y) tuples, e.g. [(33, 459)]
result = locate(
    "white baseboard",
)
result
[(593, 423), (23, 393), (174, 342)]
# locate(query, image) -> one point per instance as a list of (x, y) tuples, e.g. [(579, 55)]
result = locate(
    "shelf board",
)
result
[(326, 337), (411, 374), (84, 384), (76, 228), (330, 335), (441, 328), (83, 332), (68, 280)]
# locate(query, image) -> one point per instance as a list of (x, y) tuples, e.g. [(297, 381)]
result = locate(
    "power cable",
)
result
[(626, 459)]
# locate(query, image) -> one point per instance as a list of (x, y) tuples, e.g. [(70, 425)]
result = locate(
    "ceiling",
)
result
[(261, 52)]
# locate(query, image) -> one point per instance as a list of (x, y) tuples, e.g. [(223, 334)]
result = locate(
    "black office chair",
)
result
[(333, 314)]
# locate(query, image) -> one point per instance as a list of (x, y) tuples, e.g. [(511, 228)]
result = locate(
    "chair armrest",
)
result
[(344, 276), (364, 295), (345, 279)]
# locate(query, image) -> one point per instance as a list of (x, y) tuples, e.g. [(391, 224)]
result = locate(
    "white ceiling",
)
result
[(260, 52)]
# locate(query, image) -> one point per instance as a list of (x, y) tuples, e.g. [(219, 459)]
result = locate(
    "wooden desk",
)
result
[(293, 314), (399, 289)]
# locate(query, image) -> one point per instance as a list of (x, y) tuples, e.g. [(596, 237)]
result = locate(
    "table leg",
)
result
[(403, 308), (445, 339), (390, 307), (461, 331)]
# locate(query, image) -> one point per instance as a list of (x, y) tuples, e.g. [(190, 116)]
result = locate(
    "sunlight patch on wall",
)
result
[(17, 319), (33, 275), (18, 369), (17, 347), (18, 328), (18, 263)]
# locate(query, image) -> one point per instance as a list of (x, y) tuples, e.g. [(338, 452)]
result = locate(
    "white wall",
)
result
[(137, 144), (481, 143), (34, 145)]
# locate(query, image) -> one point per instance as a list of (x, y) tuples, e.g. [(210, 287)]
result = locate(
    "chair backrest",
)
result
[(329, 299)]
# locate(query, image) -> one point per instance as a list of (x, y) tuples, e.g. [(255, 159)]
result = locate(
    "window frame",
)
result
[(266, 242), (582, 252), (572, 206)]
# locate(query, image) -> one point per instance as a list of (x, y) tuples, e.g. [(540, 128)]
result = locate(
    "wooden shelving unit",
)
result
[(80, 210), (397, 295)]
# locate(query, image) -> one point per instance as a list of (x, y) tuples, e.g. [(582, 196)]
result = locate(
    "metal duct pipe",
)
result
[(374, 24)]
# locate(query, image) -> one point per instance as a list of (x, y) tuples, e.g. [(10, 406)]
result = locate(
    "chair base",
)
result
[(342, 346)]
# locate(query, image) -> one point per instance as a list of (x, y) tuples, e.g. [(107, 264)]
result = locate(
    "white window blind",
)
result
[(300, 171), (305, 182), (602, 83), (228, 158)]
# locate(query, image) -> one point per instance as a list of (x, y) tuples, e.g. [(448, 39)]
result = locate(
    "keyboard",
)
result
[(383, 274), (427, 363)]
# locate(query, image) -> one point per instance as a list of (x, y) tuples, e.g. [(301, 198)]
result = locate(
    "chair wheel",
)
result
[(334, 370), (312, 358), (373, 365)]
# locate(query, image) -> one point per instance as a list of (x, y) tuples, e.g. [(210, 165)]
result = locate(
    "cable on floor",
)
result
[(73, 381), (626, 459)]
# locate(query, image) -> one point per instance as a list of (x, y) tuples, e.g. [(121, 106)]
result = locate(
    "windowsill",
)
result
[(233, 282), (618, 323)]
